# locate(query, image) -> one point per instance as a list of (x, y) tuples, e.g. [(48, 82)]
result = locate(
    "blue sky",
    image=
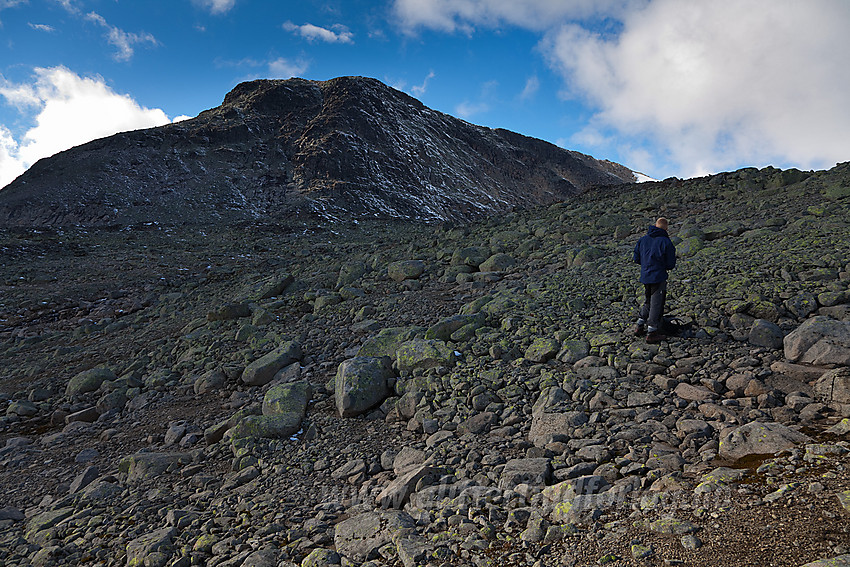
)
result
[(666, 87)]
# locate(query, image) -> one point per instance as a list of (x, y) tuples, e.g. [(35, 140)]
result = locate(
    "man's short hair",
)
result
[(662, 223)]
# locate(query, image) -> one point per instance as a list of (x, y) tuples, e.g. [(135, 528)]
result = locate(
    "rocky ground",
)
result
[(398, 394)]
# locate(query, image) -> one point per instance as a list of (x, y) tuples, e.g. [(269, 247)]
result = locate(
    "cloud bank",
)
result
[(67, 110), (687, 88)]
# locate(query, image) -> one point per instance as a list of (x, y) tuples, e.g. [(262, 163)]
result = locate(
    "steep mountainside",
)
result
[(349, 146)]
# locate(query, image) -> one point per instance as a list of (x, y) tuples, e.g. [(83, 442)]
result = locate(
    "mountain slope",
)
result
[(349, 146)]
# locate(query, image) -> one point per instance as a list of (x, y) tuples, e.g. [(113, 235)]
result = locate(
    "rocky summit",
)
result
[(346, 148), (396, 393)]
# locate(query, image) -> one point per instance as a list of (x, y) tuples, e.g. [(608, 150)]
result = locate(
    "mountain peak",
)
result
[(349, 146)]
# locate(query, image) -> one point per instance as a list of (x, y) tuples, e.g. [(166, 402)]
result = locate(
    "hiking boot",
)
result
[(655, 337), (638, 330)]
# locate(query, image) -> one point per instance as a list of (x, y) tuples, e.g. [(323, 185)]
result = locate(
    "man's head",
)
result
[(662, 223)]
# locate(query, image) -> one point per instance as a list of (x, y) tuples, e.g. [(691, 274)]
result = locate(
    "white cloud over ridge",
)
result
[(419, 90), (68, 110), (688, 88), (338, 33), (283, 68)]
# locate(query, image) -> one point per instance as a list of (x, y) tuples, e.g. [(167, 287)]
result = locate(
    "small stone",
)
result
[(690, 541)]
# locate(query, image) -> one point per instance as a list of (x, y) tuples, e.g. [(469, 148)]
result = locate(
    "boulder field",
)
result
[(388, 393)]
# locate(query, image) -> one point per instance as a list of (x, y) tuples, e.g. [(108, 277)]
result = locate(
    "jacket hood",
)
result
[(654, 231)]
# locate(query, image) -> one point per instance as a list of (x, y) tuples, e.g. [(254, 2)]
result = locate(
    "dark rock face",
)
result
[(349, 146)]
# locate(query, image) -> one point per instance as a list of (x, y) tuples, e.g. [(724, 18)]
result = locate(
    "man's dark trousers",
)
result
[(653, 308)]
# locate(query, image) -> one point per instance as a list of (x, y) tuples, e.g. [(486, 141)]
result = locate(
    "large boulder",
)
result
[(820, 341), (543, 349), (287, 398), (358, 538), (361, 384), (284, 406), (152, 548), (766, 334), (424, 354), (535, 471), (351, 273), (88, 381), (144, 466), (472, 256), (387, 341), (443, 329), (405, 270), (499, 262), (261, 371), (756, 438)]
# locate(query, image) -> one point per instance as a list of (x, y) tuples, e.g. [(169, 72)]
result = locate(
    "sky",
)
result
[(665, 87)]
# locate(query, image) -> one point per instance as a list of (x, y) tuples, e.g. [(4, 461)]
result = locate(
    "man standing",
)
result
[(656, 255)]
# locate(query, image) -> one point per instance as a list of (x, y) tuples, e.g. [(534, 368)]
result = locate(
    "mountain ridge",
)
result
[(349, 146)]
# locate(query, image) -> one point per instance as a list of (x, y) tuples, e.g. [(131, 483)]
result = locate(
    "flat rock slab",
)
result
[(262, 371), (399, 490), (358, 538), (46, 520), (800, 372), (819, 341), (143, 466), (757, 438), (10, 513), (545, 424), (533, 471), (693, 393)]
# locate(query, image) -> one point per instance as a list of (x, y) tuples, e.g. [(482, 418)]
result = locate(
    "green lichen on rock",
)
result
[(387, 341), (424, 354), (88, 381)]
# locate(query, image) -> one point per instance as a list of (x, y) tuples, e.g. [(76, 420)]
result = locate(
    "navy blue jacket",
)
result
[(656, 254)]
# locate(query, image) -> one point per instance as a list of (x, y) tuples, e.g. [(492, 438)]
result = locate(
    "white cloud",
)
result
[(10, 3), (532, 85), (714, 84), (419, 90), (283, 68), (216, 6), (688, 87), (467, 110), (338, 33), (463, 15), (10, 165), (42, 27), (68, 110), (120, 39)]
